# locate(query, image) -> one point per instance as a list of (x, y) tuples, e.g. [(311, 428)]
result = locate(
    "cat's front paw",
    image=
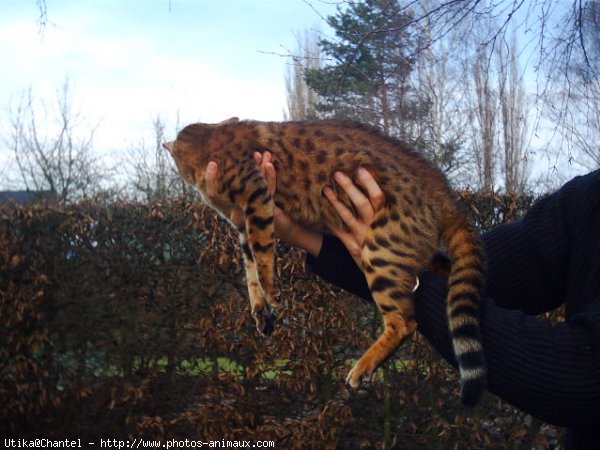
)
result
[(274, 300), (265, 321), (362, 370)]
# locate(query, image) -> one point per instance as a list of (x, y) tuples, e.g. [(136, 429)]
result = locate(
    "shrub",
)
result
[(132, 320)]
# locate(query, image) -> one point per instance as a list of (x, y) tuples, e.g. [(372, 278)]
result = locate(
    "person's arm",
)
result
[(528, 259), (551, 371), (335, 264)]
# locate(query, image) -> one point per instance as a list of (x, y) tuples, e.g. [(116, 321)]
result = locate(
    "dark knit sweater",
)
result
[(549, 258)]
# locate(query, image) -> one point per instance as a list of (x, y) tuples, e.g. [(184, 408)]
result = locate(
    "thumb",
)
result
[(210, 176)]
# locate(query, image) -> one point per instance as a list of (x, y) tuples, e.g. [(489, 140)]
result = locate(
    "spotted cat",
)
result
[(420, 214)]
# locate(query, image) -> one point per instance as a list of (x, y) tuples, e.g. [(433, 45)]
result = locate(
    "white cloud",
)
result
[(194, 91), (121, 82), (129, 61)]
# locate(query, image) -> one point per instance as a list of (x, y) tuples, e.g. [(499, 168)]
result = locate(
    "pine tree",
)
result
[(369, 74)]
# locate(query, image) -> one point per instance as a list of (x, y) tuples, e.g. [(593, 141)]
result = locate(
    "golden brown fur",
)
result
[(420, 214)]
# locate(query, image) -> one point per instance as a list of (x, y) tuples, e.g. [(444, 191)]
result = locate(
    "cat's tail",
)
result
[(465, 283)]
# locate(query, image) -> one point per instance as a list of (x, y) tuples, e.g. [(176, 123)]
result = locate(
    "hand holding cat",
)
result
[(236, 215), (366, 206), (293, 233), (285, 228)]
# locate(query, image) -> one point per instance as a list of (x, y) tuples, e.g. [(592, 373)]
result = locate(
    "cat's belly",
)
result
[(306, 212)]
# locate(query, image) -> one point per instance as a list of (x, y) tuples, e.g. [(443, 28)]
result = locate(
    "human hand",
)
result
[(283, 223), (353, 237), (235, 214), (287, 229)]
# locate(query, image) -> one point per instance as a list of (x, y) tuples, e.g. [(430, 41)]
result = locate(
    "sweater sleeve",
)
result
[(335, 265), (528, 259), (551, 371)]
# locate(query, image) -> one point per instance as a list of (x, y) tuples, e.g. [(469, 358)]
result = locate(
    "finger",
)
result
[(376, 195), (271, 178), (343, 211), (356, 196), (210, 177), (262, 159), (268, 171), (267, 157)]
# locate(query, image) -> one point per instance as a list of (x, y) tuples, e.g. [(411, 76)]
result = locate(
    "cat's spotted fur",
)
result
[(420, 214)]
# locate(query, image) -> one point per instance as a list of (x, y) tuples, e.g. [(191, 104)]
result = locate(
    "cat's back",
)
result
[(308, 153)]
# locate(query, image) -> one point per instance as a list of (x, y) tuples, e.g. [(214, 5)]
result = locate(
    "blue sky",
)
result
[(128, 60)]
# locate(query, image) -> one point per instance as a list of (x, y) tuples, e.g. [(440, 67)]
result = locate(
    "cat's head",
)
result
[(185, 160), (191, 151)]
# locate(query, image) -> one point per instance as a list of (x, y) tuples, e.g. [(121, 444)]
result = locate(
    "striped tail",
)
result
[(464, 285)]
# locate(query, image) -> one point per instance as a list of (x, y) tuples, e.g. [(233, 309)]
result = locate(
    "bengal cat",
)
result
[(420, 214)]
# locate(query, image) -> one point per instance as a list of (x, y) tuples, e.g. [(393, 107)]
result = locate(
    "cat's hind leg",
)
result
[(390, 269)]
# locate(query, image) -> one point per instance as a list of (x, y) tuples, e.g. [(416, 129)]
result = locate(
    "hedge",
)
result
[(128, 320)]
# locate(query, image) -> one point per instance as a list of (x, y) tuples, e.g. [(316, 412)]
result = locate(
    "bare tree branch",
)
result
[(151, 170), (60, 160)]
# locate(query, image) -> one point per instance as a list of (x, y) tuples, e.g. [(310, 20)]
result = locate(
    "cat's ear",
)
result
[(169, 146), (230, 120)]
